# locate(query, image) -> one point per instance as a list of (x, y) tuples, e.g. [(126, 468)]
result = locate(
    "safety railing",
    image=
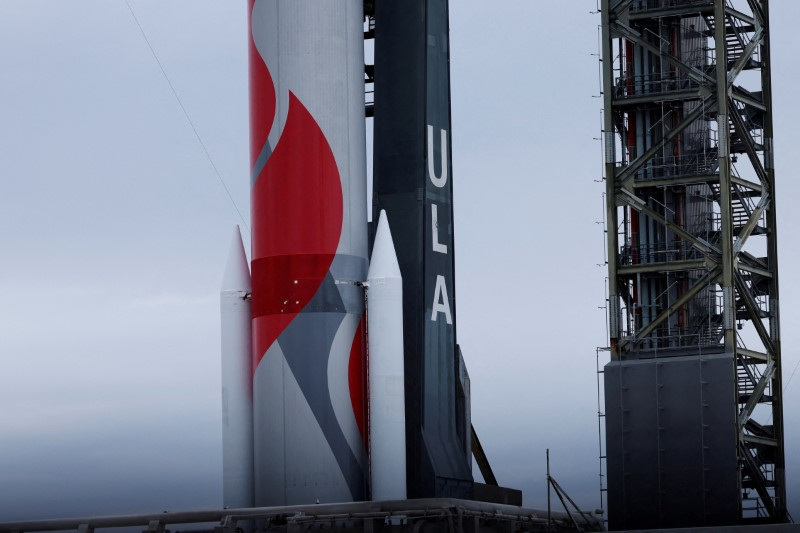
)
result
[(434, 514), (666, 167), (638, 6), (673, 338), (658, 253), (656, 84)]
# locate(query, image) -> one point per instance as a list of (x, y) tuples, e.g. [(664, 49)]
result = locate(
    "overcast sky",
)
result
[(114, 230)]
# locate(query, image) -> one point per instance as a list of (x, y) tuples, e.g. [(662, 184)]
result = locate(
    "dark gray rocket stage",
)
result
[(413, 183)]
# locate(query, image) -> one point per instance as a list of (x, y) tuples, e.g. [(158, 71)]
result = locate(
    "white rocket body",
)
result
[(386, 369), (309, 250), (237, 384)]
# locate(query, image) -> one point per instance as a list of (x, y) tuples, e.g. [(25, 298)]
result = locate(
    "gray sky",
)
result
[(114, 230)]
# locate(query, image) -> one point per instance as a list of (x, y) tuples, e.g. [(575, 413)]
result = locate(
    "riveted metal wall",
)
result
[(671, 433)]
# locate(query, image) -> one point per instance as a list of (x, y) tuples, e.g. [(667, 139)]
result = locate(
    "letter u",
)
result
[(438, 181)]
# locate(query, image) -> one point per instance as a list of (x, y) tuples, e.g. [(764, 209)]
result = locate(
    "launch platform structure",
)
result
[(694, 414)]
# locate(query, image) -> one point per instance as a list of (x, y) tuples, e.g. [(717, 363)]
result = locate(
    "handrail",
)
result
[(409, 510), (640, 6)]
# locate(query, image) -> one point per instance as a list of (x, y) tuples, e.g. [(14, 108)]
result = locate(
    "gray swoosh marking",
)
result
[(306, 344), (326, 300), (260, 163)]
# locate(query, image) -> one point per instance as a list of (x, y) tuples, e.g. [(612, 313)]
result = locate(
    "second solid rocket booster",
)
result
[(237, 385), (387, 404), (309, 250)]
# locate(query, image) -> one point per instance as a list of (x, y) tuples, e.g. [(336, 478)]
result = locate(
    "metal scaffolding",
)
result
[(690, 188)]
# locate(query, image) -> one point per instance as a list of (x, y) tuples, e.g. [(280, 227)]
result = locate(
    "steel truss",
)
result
[(690, 183)]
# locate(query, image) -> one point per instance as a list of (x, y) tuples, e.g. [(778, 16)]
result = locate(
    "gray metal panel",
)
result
[(464, 417), (670, 430), (614, 447), (640, 441), (681, 441), (719, 438)]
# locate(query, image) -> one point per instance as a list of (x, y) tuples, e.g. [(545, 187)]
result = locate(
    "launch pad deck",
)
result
[(421, 515)]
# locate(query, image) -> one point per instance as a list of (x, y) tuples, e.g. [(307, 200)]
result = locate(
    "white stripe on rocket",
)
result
[(339, 385), (305, 471), (268, 420), (265, 41)]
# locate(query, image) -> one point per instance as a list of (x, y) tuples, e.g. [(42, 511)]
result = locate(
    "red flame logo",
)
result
[(297, 223)]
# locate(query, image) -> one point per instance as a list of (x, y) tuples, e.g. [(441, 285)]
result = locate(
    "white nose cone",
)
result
[(237, 272), (386, 369), (383, 264), (237, 384)]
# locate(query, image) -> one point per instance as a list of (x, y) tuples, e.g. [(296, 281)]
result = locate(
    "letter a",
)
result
[(441, 304)]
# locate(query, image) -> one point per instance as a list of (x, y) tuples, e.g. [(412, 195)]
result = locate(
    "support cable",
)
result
[(791, 376), (188, 119)]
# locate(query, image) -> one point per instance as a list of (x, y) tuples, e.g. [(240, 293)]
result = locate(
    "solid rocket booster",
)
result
[(237, 389), (309, 252), (387, 420)]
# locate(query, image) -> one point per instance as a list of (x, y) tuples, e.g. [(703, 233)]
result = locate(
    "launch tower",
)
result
[(694, 416)]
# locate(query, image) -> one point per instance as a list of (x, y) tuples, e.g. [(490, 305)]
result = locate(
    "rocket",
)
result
[(237, 383), (413, 183), (387, 421), (309, 251), (295, 383)]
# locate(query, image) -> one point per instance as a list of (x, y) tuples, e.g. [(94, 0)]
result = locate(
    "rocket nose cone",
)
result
[(237, 273), (384, 258)]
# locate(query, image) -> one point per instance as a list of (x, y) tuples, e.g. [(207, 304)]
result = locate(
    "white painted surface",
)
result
[(237, 385), (386, 371)]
